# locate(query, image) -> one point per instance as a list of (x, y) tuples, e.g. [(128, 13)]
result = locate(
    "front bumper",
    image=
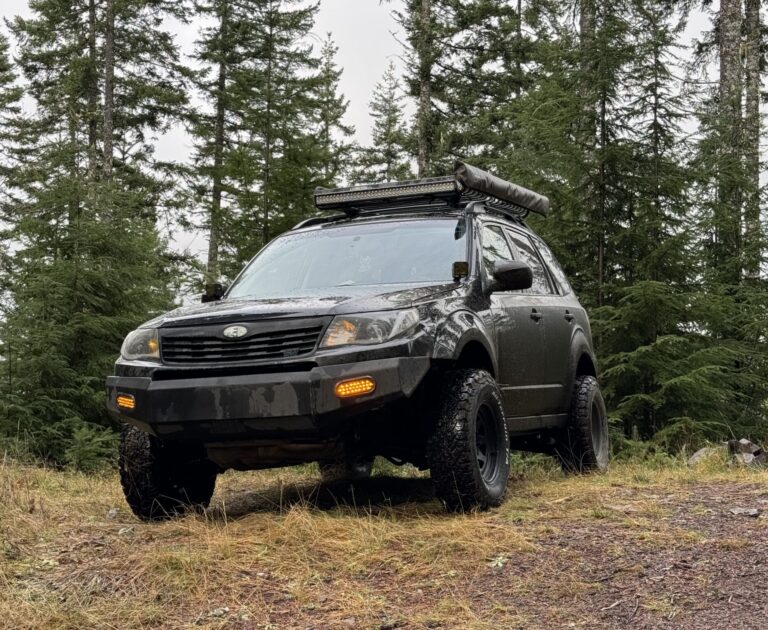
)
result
[(289, 405)]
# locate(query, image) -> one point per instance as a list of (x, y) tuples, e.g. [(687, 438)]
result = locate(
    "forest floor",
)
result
[(638, 547)]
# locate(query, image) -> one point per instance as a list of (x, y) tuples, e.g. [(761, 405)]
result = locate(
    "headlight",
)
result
[(141, 344), (369, 328)]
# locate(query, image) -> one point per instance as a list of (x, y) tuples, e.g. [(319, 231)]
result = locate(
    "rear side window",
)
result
[(554, 267), (495, 248), (541, 284)]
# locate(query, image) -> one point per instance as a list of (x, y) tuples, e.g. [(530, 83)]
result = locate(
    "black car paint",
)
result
[(253, 407)]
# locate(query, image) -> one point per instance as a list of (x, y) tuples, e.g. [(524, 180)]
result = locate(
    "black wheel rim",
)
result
[(598, 430), (487, 444)]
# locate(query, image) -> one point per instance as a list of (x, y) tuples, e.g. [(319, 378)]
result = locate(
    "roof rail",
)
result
[(468, 184)]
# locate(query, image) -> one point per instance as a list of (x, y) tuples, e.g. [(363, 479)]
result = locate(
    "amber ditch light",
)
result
[(355, 387), (126, 401)]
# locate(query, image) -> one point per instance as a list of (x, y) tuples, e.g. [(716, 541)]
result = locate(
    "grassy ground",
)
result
[(640, 547)]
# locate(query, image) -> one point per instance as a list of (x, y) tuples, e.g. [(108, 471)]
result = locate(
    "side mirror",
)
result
[(511, 275), (213, 292)]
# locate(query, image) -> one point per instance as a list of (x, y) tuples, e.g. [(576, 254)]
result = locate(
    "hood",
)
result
[(315, 303)]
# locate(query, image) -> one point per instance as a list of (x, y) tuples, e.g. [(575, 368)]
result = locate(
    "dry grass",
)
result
[(278, 551)]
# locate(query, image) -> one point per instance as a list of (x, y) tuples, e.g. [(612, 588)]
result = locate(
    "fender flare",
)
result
[(580, 347), (459, 329)]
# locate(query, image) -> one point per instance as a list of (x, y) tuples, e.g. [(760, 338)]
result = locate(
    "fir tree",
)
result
[(387, 159), (727, 210), (424, 33), (333, 134), (88, 265), (10, 95), (219, 51), (266, 165), (753, 230)]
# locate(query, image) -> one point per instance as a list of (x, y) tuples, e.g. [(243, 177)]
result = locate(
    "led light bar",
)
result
[(468, 184), (440, 187)]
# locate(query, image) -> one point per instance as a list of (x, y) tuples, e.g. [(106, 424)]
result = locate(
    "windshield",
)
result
[(412, 251)]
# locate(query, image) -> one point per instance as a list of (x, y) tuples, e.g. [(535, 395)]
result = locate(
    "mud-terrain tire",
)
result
[(161, 479), (585, 446), (343, 468), (468, 449)]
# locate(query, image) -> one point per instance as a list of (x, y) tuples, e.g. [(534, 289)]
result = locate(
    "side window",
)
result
[(554, 267), (529, 256), (495, 247)]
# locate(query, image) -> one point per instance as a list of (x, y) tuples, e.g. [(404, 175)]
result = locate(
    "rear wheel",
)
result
[(161, 480), (585, 446), (468, 451)]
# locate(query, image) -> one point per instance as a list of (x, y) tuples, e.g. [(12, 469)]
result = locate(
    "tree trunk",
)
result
[(93, 92), (753, 240), (425, 55), (218, 150), (268, 131), (592, 138), (518, 64), (728, 216), (109, 88)]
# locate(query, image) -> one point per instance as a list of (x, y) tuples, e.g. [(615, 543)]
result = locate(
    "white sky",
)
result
[(365, 33), (363, 30)]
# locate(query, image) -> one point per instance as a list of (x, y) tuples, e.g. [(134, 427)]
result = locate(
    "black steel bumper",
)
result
[(291, 405)]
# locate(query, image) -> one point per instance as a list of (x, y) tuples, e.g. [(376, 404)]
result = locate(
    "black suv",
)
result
[(423, 322)]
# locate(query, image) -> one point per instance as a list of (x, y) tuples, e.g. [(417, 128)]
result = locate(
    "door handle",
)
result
[(569, 317), (536, 316)]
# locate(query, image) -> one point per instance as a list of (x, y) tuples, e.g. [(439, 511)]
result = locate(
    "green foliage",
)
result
[(87, 263), (594, 113), (90, 447), (387, 159), (280, 130), (650, 215)]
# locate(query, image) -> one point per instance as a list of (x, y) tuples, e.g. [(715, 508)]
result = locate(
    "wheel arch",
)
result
[(463, 340), (583, 361)]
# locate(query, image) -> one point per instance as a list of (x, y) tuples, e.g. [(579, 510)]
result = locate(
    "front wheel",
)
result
[(468, 450), (585, 446), (161, 480)]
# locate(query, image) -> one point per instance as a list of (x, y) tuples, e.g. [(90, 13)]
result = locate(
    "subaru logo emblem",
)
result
[(235, 332)]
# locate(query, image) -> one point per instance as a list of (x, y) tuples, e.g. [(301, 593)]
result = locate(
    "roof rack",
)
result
[(468, 184)]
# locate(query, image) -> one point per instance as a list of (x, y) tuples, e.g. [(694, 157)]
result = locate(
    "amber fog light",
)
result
[(126, 401), (355, 387)]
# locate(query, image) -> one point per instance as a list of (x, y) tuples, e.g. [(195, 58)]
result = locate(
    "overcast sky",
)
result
[(363, 31)]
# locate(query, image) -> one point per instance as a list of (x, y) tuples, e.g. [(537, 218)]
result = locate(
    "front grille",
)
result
[(275, 344)]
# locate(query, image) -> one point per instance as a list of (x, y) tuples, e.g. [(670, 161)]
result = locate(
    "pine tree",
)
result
[(727, 246), (333, 134), (420, 20), (753, 231), (262, 160), (470, 62), (645, 333), (10, 95), (88, 265), (387, 159), (423, 39), (218, 50), (484, 70)]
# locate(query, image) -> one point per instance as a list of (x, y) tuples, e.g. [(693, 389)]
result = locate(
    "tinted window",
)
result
[(529, 256), (495, 248), (354, 255), (554, 267)]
